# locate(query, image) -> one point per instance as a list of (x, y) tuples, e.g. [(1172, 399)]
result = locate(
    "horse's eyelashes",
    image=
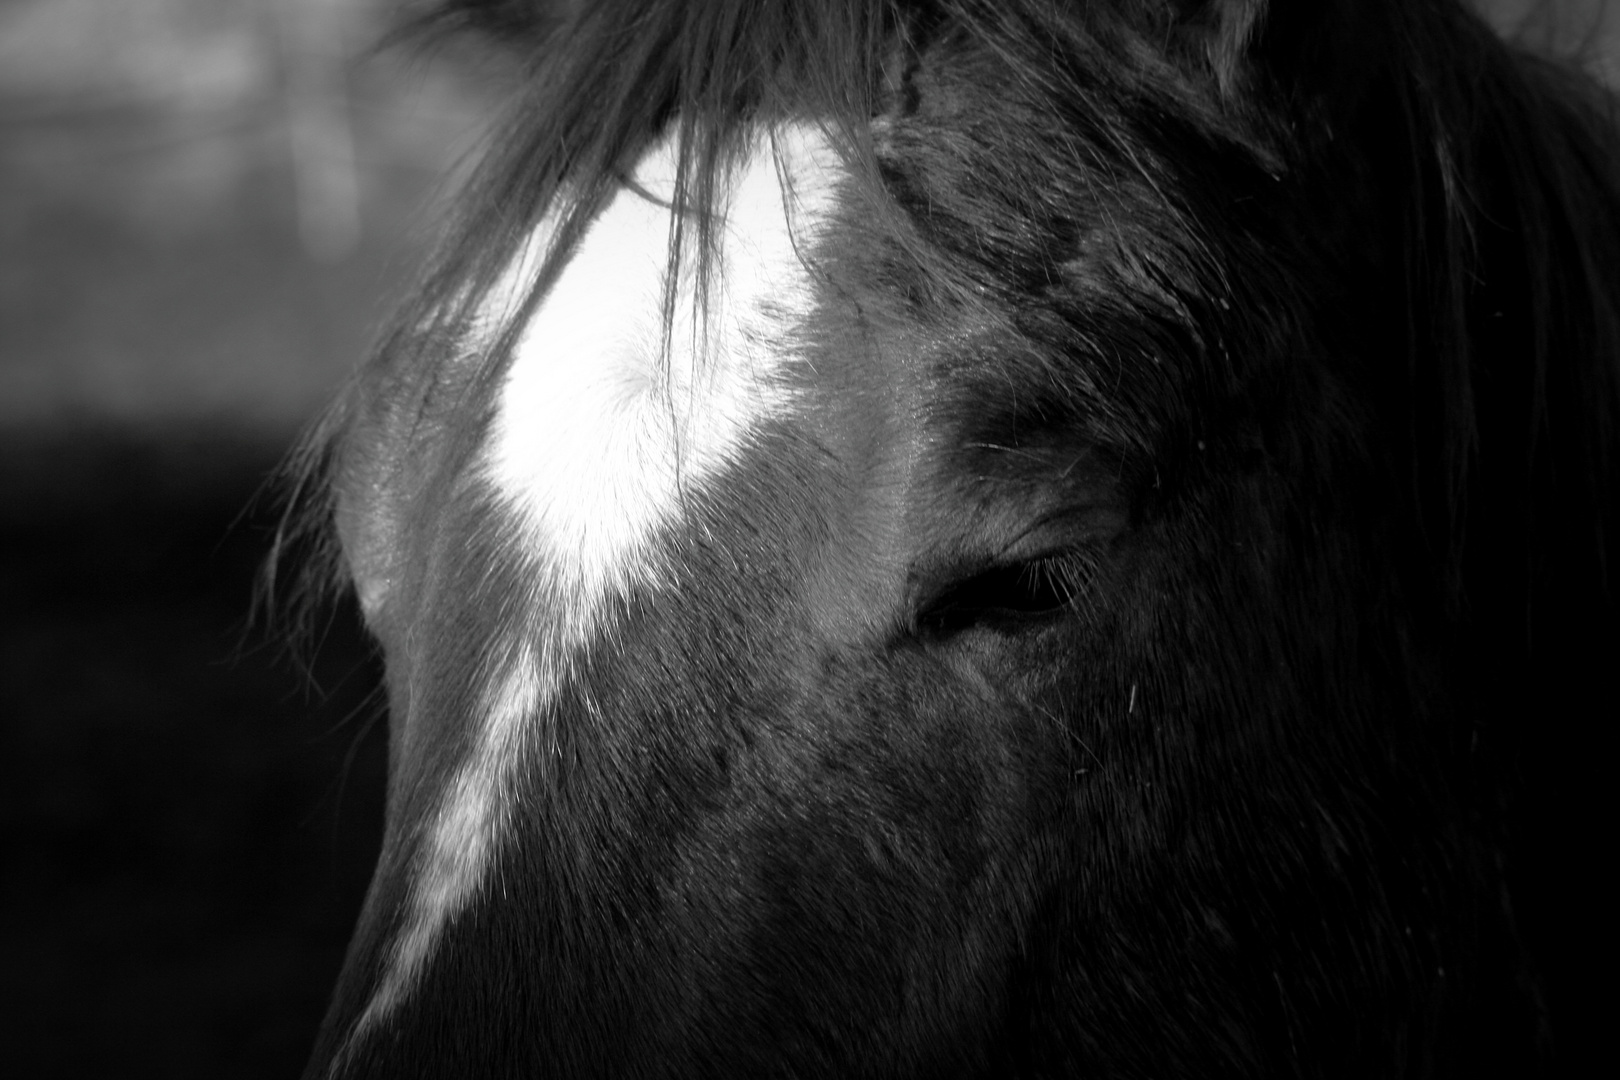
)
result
[(1007, 596)]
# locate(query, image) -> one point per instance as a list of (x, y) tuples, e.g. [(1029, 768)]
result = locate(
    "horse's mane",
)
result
[(1510, 200), (1514, 384)]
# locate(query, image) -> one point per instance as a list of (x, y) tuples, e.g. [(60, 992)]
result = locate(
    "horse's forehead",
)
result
[(608, 413)]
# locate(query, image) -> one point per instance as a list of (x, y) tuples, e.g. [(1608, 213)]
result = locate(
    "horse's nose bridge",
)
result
[(495, 566), (854, 581)]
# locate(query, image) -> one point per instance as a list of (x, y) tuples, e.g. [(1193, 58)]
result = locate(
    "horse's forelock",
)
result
[(716, 74)]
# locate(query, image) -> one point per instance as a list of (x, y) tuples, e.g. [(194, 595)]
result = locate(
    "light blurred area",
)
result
[(204, 204), (1582, 33)]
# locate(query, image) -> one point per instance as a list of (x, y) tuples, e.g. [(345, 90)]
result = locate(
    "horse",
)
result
[(990, 539)]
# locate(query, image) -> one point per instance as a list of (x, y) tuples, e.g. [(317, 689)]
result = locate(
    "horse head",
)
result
[(980, 539)]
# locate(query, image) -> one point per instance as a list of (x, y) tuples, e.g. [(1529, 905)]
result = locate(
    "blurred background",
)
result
[(205, 208)]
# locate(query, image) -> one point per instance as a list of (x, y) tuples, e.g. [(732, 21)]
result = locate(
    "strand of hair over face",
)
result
[(605, 81)]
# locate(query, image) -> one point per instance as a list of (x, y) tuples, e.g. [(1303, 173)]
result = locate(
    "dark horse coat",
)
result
[(1017, 538)]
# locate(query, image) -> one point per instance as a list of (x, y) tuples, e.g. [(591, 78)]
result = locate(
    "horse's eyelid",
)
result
[(1027, 589)]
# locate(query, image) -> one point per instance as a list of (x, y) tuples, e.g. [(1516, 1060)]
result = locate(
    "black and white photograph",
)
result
[(705, 539)]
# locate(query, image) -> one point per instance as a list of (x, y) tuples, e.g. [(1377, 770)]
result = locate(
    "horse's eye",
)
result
[(1006, 597)]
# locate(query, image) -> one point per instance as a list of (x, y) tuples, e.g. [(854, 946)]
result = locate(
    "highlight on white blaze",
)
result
[(601, 427), (598, 427)]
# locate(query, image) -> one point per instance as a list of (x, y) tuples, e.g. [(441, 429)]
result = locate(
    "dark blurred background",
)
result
[(205, 206)]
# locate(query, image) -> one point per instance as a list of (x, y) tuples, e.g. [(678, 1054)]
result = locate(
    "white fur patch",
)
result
[(464, 831), (599, 432), (596, 434)]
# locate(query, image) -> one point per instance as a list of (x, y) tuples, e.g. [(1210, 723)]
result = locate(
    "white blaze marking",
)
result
[(595, 433), (598, 432), (463, 833)]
